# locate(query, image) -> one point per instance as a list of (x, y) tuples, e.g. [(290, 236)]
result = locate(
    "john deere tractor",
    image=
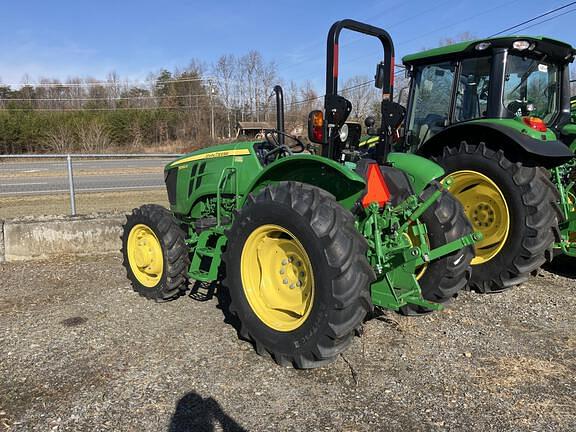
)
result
[(495, 114), (305, 244)]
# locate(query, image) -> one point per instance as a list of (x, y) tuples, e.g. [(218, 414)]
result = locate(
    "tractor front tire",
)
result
[(441, 279), (297, 274), (511, 204), (155, 253)]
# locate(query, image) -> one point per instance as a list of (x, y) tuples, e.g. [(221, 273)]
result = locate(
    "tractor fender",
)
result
[(420, 171), (548, 154), (337, 179)]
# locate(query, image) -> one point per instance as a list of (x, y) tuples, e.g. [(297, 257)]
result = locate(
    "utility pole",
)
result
[(212, 134)]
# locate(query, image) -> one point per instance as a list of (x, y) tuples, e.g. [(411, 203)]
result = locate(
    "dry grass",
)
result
[(509, 372), (86, 202), (170, 147), (83, 172), (402, 324)]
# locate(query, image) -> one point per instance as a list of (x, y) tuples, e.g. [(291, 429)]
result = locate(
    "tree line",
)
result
[(180, 109)]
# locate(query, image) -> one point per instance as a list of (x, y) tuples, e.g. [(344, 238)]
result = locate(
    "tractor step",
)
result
[(207, 256), (206, 251)]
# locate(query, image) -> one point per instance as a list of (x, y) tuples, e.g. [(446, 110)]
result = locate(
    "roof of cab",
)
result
[(556, 48)]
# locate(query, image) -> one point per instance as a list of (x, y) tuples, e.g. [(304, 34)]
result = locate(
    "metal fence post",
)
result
[(71, 185)]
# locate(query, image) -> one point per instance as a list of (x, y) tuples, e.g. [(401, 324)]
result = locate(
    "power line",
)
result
[(468, 18), (342, 45), (154, 81), (104, 109), (533, 19), (549, 19), (101, 98)]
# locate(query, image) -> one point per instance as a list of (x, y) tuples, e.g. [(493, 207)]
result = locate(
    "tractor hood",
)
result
[(223, 150)]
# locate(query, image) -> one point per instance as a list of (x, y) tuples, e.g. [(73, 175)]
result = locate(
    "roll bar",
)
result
[(332, 54), (336, 107), (279, 113)]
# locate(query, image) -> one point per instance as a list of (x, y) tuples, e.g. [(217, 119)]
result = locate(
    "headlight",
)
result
[(521, 45), (343, 132)]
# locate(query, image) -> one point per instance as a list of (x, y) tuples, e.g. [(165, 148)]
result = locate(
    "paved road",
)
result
[(56, 180)]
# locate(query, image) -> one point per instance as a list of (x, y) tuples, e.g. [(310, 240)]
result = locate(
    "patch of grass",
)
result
[(86, 203), (508, 372), (82, 172)]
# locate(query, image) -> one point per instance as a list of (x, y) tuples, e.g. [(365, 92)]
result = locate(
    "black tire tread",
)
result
[(541, 221), (345, 250), (175, 250), (455, 269)]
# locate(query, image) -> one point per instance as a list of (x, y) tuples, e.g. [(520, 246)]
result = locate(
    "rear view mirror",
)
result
[(316, 127), (380, 76)]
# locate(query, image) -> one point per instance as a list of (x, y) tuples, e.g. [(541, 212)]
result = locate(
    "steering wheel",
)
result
[(516, 105), (282, 149)]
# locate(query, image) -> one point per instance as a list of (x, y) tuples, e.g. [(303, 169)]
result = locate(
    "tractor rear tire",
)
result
[(443, 278), (297, 274), (155, 253), (512, 204)]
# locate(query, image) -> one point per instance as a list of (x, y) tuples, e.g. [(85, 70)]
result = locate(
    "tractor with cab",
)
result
[(495, 114)]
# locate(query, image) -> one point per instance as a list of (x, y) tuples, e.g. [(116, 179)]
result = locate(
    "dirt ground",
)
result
[(81, 352), (86, 203)]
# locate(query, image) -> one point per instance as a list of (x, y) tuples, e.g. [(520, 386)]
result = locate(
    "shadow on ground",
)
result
[(194, 413), (562, 266), (205, 291)]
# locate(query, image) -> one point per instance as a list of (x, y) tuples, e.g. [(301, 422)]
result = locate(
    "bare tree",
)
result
[(224, 71), (92, 136), (460, 37), (60, 138), (361, 92)]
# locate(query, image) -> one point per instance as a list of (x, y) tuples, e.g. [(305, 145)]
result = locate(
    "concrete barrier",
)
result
[(2, 241), (42, 238)]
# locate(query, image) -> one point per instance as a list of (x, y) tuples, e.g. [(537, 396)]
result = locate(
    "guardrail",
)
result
[(69, 158)]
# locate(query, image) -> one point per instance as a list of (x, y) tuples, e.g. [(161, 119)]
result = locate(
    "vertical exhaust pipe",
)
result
[(279, 113)]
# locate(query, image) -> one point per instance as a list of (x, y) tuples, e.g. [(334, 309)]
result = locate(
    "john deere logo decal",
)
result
[(216, 154)]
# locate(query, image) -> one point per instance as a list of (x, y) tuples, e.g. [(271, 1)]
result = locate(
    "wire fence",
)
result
[(79, 183)]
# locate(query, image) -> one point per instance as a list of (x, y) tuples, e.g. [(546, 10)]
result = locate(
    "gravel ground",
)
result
[(81, 352)]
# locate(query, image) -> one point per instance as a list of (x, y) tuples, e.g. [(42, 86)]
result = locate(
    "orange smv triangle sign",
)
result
[(377, 189)]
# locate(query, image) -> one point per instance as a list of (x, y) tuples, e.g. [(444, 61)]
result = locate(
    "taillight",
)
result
[(377, 190), (535, 123), (316, 127)]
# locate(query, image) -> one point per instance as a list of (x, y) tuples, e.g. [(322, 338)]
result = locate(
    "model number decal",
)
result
[(211, 155)]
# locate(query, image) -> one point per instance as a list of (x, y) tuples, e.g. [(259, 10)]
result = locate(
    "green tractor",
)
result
[(306, 245), (495, 114)]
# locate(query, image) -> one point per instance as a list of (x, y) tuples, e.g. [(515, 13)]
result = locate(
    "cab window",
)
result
[(431, 101), (531, 88), (472, 91)]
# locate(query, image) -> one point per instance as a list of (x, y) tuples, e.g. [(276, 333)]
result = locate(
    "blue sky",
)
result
[(63, 38)]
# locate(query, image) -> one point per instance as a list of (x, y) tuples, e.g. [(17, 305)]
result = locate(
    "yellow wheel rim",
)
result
[(414, 241), (145, 255), (277, 278), (487, 210)]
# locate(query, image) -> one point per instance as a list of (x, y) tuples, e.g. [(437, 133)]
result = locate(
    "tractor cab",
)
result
[(519, 78)]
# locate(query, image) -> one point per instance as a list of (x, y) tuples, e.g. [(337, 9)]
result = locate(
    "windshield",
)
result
[(531, 88)]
